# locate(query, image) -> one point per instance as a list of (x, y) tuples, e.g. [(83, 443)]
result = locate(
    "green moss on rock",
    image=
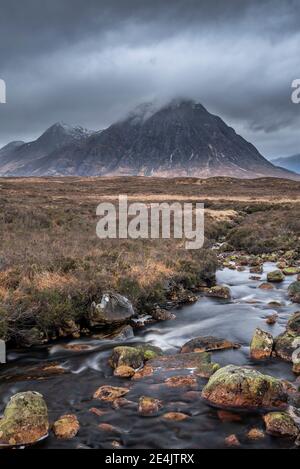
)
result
[(281, 424), (25, 419), (242, 387), (275, 276)]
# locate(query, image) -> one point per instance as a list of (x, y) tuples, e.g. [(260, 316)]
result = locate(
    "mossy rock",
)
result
[(285, 345), (291, 270), (25, 419), (294, 291), (208, 344), (219, 291), (294, 323), (261, 345), (275, 276), (133, 356), (281, 424), (243, 387)]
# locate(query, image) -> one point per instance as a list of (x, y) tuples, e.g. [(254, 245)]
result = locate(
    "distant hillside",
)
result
[(292, 163)]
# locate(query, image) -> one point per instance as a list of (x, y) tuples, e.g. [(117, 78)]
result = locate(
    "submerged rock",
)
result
[(200, 363), (275, 276), (281, 424), (207, 344), (181, 381), (232, 440), (294, 291), (66, 427), (272, 319), (265, 286), (110, 393), (255, 434), (219, 291), (124, 371), (148, 406), (226, 416), (175, 416), (113, 309), (257, 269), (242, 387), (261, 345), (25, 419)]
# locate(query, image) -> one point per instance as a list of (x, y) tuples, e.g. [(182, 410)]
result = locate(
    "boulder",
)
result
[(207, 344), (275, 276), (261, 345), (66, 427), (294, 291), (133, 356), (219, 291), (285, 345), (243, 387), (113, 309), (281, 424), (25, 419)]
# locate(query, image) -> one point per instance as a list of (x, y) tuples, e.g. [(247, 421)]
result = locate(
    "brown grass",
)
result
[(52, 265)]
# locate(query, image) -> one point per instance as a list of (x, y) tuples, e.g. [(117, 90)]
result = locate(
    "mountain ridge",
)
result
[(180, 138)]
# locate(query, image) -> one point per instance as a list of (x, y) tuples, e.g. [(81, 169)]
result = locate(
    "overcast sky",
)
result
[(88, 62)]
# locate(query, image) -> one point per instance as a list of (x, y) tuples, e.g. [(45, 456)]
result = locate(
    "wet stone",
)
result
[(66, 427), (207, 344), (110, 393)]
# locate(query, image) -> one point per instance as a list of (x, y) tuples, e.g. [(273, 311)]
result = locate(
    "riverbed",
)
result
[(87, 370)]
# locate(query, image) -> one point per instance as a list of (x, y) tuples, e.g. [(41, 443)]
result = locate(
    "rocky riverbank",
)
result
[(147, 381)]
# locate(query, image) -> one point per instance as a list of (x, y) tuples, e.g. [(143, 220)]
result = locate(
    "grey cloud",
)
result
[(89, 62)]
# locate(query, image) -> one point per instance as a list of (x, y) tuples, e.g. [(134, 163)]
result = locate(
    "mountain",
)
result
[(179, 139), (292, 163), (18, 158)]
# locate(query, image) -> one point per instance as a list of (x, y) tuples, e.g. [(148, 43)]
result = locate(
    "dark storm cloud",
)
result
[(88, 62)]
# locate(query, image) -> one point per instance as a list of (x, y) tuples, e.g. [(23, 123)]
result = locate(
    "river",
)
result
[(88, 369)]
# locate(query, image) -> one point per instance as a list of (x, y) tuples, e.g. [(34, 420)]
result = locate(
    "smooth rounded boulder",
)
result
[(113, 309), (243, 387), (25, 419)]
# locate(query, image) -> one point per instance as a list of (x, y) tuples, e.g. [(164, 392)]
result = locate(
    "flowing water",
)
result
[(88, 369)]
